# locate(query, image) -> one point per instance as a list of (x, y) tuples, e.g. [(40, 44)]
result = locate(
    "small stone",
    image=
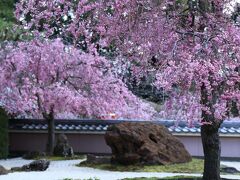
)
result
[(92, 159), (62, 147), (3, 170), (230, 170), (38, 165)]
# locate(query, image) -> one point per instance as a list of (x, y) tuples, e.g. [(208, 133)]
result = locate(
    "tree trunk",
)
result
[(212, 151), (51, 136), (210, 137)]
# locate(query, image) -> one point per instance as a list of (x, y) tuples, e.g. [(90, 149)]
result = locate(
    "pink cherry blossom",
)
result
[(43, 77)]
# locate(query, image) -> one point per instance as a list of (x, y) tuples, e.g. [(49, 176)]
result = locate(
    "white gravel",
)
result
[(67, 169)]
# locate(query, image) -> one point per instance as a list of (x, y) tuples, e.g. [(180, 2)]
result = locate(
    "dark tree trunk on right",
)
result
[(212, 152), (210, 137)]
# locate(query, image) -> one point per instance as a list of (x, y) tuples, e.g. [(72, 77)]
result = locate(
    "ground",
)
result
[(67, 169), (195, 166)]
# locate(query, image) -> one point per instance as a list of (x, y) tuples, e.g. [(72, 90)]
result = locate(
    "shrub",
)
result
[(3, 134)]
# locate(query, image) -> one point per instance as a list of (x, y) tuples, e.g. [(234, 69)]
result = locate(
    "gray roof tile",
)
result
[(223, 130), (101, 126), (193, 130)]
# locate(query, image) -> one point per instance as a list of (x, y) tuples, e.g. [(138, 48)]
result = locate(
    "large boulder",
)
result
[(38, 165), (3, 170), (62, 147), (144, 143)]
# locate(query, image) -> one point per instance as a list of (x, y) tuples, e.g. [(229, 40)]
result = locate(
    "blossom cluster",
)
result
[(195, 45), (43, 77)]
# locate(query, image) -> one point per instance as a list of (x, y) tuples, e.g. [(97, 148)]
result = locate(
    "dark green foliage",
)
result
[(7, 21), (6, 13), (6, 18), (236, 14), (6, 10), (3, 134)]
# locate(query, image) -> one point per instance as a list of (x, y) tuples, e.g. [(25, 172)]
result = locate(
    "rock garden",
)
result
[(131, 143), (131, 60)]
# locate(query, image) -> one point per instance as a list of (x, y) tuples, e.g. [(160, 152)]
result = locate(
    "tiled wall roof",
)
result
[(227, 127)]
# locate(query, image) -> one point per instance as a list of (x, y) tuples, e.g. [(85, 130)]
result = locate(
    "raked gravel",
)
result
[(58, 170)]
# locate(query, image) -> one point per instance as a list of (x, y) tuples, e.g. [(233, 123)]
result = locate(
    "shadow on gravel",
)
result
[(170, 178), (190, 179)]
